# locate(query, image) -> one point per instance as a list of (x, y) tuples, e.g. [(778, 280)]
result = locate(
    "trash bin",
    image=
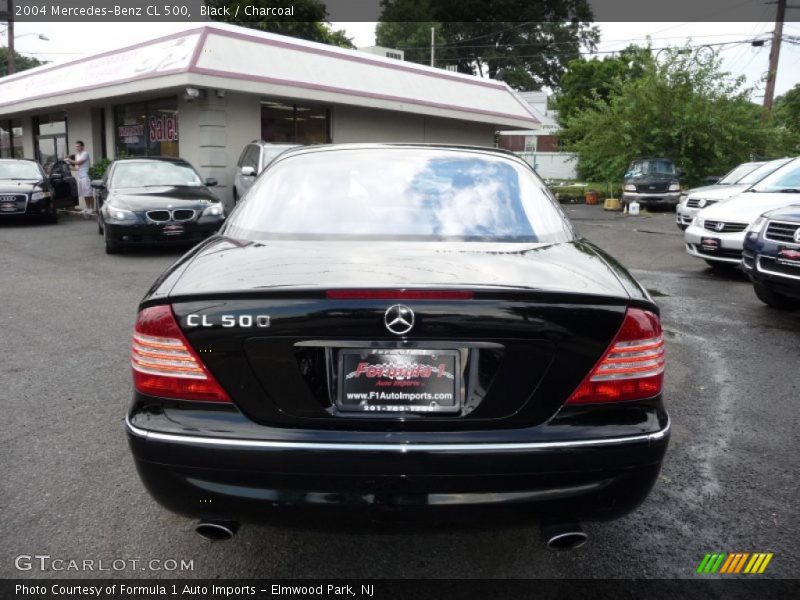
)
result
[(591, 197)]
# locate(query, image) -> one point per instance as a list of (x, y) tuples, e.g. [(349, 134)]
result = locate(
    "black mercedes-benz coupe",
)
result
[(384, 329), (155, 201)]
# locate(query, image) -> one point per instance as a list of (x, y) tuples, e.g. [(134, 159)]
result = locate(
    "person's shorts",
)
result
[(84, 187)]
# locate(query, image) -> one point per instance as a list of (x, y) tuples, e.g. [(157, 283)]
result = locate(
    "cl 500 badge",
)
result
[(228, 321)]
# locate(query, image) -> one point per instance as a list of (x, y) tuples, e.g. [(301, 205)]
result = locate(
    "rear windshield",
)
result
[(399, 194), (739, 172)]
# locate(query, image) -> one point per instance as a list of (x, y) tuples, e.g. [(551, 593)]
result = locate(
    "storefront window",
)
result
[(294, 123), (147, 128), (50, 134), (11, 138)]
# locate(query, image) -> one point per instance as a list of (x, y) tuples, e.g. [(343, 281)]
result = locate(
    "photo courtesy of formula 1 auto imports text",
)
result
[(399, 299)]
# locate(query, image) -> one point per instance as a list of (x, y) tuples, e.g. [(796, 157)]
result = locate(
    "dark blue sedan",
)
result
[(772, 257)]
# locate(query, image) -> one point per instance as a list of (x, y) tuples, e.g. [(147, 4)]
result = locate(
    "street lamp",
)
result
[(12, 63)]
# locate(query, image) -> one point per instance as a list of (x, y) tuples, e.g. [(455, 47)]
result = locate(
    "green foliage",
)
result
[(690, 112), (786, 110), (527, 44), (21, 62), (98, 169), (586, 80), (309, 21)]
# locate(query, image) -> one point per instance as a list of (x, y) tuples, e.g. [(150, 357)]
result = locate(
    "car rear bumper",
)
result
[(252, 480)]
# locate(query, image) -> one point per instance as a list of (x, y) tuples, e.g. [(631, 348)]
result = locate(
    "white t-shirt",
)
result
[(83, 168)]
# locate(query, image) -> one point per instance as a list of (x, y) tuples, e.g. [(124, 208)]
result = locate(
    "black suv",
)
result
[(652, 182)]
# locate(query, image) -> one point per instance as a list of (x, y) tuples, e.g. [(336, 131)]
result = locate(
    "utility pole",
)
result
[(12, 62), (774, 55), (433, 35)]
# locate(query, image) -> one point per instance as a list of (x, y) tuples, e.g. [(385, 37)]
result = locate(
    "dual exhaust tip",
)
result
[(557, 536), (217, 531)]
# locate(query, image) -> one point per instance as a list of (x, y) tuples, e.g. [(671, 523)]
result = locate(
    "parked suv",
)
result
[(729, 186), (255, 157), (771, 257), (652, 182)]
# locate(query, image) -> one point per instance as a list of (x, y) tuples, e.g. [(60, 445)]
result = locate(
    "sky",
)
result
[(70, 41)]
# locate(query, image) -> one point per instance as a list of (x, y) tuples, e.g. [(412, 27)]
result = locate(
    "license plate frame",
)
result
[(785, 261), (403, 381), (710, 244), (173, 229)]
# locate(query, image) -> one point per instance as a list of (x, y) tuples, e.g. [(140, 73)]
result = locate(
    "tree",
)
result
[(586, 80), (681, 109), (21, 61), (309, 21), (787, 109), (527, 44)]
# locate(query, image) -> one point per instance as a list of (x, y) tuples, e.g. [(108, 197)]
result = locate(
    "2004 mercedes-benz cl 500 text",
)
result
[(401, 329)]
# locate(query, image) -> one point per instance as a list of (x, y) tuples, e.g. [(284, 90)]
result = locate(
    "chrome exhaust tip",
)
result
[(217, 531), (564, 536)]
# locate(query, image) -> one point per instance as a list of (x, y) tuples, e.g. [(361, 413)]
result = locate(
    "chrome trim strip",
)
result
[(761, 269), (403, 448), (766, 231)]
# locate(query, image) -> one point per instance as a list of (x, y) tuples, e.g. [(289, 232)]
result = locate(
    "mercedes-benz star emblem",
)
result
[(720, 226), (797, 235), (399, 319)]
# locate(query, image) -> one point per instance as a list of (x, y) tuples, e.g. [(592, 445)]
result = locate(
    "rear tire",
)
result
[(773, 299)]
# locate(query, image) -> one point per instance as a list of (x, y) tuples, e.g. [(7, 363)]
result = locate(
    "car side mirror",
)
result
[(98, 184), (56, 176), (211, 181), (248, 172)]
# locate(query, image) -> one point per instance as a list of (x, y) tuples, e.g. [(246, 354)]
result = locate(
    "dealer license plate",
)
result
[(399, 381), (710, 244)]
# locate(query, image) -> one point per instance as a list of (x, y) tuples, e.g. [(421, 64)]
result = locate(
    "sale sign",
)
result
[(163, 128)]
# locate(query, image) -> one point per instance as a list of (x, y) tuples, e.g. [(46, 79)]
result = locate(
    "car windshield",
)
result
[(399, 194), (738, 173), (154, 173), (762, 171), (787, 178), (19, 169), (651, 167)]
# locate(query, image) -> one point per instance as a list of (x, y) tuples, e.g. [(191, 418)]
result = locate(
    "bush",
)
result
[(98, 169)]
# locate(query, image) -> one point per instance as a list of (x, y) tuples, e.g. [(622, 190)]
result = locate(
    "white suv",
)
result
[(254, 159)]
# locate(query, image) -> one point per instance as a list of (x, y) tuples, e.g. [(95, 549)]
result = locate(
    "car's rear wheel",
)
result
[(772, 298)]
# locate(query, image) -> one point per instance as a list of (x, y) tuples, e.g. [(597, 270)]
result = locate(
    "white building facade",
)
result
[(204, 93)]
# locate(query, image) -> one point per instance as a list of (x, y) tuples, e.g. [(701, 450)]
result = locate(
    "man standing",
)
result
[(81, 165)]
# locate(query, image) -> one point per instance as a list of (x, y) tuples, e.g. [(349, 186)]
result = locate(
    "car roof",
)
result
[(387, 146), (10, 159)]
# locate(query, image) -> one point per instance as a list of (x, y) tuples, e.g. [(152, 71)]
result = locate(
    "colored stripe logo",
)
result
[(734, 563)]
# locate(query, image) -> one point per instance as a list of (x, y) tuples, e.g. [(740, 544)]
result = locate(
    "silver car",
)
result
[(254, 159), (735, 182)]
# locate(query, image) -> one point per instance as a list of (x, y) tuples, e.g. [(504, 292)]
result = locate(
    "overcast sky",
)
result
[(67, 41)]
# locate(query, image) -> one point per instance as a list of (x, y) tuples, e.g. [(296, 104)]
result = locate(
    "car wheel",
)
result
[(112, 247), (772, 298)]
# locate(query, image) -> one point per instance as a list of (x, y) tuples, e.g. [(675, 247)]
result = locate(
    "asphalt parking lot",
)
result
[(69, 489)]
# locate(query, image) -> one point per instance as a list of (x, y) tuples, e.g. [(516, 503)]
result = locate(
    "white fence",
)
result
[(552, 165)]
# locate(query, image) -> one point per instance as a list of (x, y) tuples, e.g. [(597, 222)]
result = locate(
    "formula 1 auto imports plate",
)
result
[(380, 380)]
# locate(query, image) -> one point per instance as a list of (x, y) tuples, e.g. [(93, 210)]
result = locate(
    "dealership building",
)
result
[(204, 93)]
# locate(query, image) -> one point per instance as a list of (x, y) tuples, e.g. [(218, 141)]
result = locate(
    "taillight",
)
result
[(164, 364), (632, 367)]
